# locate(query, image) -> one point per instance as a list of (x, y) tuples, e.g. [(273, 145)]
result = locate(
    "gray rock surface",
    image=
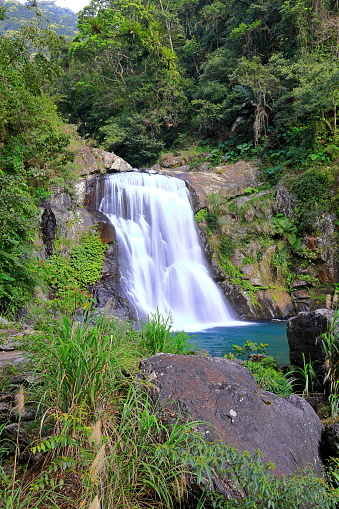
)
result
[(94, 160), (304, 336), (227, 180), (331, 439), (224, 393)]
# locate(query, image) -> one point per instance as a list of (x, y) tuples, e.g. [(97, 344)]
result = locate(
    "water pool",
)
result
[(218, 341)]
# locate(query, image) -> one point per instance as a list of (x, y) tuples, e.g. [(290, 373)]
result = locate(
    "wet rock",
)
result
[(110, 298), (12, 358), (331, 439), (224, 393), (301, 299), (278, 304), (105, 227), (108, 292), (171, 162), (304, 336), (48, 228), (286, 201), (4, 322), (266, 305), (9, 436)]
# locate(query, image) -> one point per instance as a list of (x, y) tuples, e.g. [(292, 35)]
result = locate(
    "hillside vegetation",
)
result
[(62, 21), (247, 78)]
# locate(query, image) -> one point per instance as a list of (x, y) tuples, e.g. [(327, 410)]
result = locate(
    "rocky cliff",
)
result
[(268, 264), (264, 264)]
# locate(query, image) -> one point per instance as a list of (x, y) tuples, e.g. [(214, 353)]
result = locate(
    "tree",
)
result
[(33, 152)]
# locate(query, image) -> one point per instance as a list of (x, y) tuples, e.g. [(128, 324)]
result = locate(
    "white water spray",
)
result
[(161, 261)]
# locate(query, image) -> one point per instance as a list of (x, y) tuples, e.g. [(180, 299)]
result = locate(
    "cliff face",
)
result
[(267, 265)]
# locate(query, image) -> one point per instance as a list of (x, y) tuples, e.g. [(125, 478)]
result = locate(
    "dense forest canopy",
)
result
[(62, 21), (144, 77), (33, 148)]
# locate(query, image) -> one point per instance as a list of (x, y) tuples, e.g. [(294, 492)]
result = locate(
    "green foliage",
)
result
[(312, 187), (249, 347), (66, 276), (307, 374), (333, 400), (60, 19), (58, 272), (33, 152), (247, 81), (330, 343), (143, 465), (105, 432), (284, 227), (226, 246), (236, 278), (201, 215), (252, 484), (269, 379), (157, 336), (87, 259), (250, 190), (80, 358), (19, 218), (208, 215)]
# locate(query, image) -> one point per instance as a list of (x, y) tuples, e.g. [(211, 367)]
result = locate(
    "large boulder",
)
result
[(89, 161), (304, 336), (229, 180), (224, 393)]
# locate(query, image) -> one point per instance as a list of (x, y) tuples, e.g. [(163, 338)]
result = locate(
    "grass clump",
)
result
[(82, 358), (157, 336)]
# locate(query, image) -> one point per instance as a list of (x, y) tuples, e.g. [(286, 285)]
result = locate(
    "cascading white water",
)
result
[(161, 261)]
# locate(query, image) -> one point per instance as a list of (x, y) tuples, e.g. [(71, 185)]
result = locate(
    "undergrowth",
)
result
[(101, 442)]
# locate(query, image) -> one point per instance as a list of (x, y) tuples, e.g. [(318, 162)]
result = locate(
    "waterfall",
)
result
[(161, 262)]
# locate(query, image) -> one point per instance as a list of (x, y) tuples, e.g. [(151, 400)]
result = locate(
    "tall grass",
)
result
[(157, 336), (330, 343), (307, 375), (139, 464), (107, 444), (81, 360)]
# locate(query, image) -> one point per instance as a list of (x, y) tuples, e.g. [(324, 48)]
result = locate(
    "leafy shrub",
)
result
[(157, 336), (247, 479), (58, 272), (226, 246), (82, 269), (312, 187), (212, 219), (284, 227), (87, 259), (269, 379), (201, 215), (242, 352), (18, 219)]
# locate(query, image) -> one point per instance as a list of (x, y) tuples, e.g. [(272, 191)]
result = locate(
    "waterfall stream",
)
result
[(160, 258)]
